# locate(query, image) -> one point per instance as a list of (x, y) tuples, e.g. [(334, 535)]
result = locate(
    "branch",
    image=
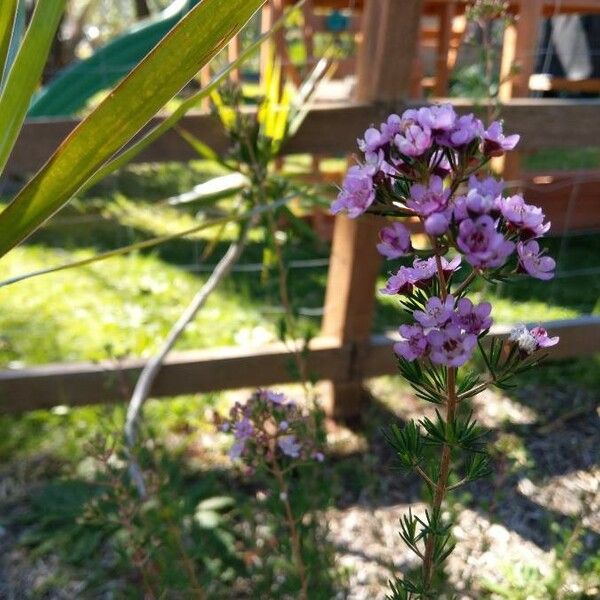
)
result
[(153, 366)]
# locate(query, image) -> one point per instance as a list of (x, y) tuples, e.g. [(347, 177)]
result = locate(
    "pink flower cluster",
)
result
[(269, 425), (422, 165), (420, 276), (445, 331), (435, 136)]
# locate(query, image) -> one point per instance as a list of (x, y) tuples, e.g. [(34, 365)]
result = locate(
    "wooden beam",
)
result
[(332, 129), (183, 373), (520, 50), (80, 384)]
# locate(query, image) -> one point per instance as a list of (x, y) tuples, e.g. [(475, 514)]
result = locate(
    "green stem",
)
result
[(293, 529)]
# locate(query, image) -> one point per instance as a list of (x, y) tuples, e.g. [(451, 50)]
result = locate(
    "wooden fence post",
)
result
[(519, 49), (390, 32)]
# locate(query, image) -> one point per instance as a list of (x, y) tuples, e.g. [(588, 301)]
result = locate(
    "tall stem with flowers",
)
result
[(425, 166), (275, 437)]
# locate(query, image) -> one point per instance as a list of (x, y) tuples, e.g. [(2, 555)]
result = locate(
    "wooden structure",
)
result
[(346, 353), (191, 372)]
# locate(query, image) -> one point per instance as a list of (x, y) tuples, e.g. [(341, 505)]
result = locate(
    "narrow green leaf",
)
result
[(156, 79), (132, 151), (7, 22), (148, 243), (25, 71)]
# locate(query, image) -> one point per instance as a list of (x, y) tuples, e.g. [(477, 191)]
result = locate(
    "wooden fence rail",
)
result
[(193, 372), (332, 129)]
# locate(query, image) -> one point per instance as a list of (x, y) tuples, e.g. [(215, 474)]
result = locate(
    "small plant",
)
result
[(423, 166), (274, 438)]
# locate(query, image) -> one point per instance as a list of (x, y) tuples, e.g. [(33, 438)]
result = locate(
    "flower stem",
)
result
[(293, 529), (442, 482)]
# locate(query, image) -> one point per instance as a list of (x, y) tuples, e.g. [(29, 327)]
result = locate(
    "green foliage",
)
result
[(162, 73)]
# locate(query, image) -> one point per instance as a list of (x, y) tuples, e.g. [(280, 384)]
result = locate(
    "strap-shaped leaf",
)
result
[(162, 73), (7, 22), (25, 72), (135, 148)]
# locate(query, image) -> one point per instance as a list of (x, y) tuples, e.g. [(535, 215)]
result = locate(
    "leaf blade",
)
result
[(25, 72), (156, 79)]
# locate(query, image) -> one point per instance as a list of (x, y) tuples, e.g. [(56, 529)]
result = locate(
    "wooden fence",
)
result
[(346, 353)]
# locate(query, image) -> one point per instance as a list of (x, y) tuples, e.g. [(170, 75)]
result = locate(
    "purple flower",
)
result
[(541, 337), (483, 246), (290, 446), (437, 312), (530, 341), (426, 200), (318, 456), (414, 343), (466, 129), (451, 347), (450, 267), (472, 318), (423, 271), (400, 283), (391, 128), (473, 205), (243, 429), (440, 117), (526, 217), (237, 449), (275, 397), (440, 165), (372, 141), (413, 140), (490, 186), (437, 223), (357, 192), (533, 261), (495, 143), (395, 241)]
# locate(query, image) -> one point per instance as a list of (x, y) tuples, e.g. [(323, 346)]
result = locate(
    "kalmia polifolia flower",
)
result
[(483, 246), (533, 261), (395, 241), (472, 318), (428, 199), (450, 346), (526, 218), (436, 313), (358, 192), (290, 446), (495, 143), (413, 344)]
